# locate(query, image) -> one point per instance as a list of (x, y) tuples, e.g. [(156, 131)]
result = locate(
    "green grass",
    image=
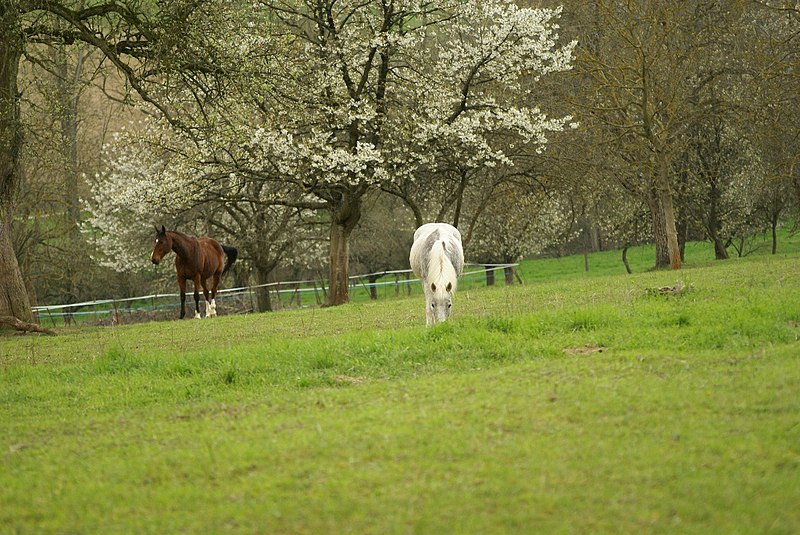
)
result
[(580, 403)]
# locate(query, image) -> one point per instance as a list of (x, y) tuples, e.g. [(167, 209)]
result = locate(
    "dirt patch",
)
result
[(678, 289), (583, 350), (346, 379)]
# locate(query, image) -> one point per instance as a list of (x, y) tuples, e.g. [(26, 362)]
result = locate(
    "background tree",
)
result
[(382, 240), (647, 66), (775, 120), (65, 118), (333, 123), (522, 222), (718, 173)]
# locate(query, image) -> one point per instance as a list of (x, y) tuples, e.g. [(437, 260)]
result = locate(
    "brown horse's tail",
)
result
[(232, 254)]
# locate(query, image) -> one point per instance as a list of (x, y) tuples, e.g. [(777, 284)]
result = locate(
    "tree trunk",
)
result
[(66, 111), (509, 273), (774, 223), (263, 298), (587, 247), (462, 186), (68, 95), (13, 297), (662, 212), (683, 237), (594, 234), (659, 231), (625, 260), (345, 218), (714, 224), (373, 289), (720, 253), (664, 194), (339, 271)]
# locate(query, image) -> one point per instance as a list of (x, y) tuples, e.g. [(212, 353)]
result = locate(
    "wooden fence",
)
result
[(283, 294)]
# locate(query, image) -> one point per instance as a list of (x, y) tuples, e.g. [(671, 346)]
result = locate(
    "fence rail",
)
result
[(240, 299)]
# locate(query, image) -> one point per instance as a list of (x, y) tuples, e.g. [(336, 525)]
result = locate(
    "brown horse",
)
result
[(197, 259)]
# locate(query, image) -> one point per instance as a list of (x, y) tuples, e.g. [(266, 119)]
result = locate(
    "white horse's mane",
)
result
[(440, 269)]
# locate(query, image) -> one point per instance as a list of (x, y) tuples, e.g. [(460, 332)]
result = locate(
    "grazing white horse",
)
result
[(437, 258)]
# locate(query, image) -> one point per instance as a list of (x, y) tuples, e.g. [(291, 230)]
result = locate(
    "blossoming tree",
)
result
[(340, 98)]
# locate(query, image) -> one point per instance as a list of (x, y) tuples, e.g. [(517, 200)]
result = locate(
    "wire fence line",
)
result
[(235, 300)]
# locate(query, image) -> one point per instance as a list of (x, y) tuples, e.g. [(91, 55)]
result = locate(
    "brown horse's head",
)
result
[(163, 245)]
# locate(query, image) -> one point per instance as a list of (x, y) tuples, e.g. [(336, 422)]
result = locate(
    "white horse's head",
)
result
[(440, 302)]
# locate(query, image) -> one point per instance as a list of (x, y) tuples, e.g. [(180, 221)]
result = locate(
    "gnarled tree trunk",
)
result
[(345, 217), (659, 230), (13, 297), (662, 212), (263, 298), (664, 194)]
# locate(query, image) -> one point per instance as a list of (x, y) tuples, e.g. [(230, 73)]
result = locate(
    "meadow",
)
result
[(595, 402)]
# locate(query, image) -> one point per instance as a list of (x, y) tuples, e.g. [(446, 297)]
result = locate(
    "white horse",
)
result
[(437, 258)]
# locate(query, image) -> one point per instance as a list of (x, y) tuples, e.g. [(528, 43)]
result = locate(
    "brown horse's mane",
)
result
[(189, 244), (181, 234)]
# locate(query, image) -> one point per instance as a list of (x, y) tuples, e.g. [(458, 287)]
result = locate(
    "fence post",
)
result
[(115, 317), (489, 275), (299, 295)]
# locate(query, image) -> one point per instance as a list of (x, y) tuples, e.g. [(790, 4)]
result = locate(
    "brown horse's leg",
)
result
[(214, 286), (209, 307), (182, 285), (197, 296)]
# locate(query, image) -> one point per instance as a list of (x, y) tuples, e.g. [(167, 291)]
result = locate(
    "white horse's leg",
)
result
[(430, 319)]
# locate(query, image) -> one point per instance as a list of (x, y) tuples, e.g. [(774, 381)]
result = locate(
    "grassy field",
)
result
[(589, 403)]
